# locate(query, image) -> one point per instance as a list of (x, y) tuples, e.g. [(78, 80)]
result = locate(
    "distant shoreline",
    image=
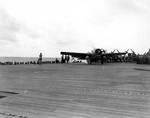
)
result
[(25, 59)]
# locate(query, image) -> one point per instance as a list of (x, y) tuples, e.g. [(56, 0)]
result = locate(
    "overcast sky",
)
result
[(28, 27)]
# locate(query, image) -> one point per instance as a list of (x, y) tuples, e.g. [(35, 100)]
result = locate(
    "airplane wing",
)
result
[(77, 55)]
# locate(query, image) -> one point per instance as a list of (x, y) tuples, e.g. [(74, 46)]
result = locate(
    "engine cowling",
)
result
[(98, 51)]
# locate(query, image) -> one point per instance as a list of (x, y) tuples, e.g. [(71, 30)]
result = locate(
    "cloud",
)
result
[(74, 25), (131, 6), (8, 27), (65, 42), (29, 32)]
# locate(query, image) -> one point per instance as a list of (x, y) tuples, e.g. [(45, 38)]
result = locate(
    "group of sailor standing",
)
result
[(65, 59)]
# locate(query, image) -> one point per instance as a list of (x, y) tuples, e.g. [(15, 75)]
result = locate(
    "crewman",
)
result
[(40, 59), (88, 59), (68, 58), (102, 59), (62, 59)]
